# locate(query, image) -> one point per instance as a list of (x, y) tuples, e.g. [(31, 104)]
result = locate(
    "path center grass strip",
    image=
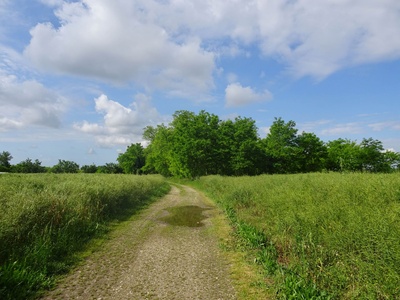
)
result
[(46, 218), (319, 236)]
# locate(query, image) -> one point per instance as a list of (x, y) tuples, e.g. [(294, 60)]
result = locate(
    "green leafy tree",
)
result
[(194, 138), (29, 166), (372, 156), (5, 158), (89, 168), (133, 159), (391, 161), (65, 166), (281, 147), (343, 155), (157, 153), (312, 153), (110, 168), (239, 147)]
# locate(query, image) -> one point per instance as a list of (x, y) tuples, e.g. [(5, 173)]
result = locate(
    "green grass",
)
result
[(45, 219), (318, 236)]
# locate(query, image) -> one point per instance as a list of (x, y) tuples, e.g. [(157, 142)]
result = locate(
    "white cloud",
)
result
[(311, 37), (340, 129), (115, 42), (121, 125), (393, 125), (318, 38), (237, 95), (312, 126), (172, 45), (28, 102)]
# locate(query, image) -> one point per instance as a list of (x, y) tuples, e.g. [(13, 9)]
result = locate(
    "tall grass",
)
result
[(46, 218), (319, 236)]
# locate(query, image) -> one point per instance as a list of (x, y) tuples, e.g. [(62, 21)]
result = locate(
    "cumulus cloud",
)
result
[(28, 102), (237, 95), (320, 37), (311, 37), (121, 125), (173, 45), (113, 41)]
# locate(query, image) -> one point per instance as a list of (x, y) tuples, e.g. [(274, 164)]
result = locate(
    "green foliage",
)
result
[(158, 153), (330, 235), (46, 218), (281, 146), (89, 168), (110, 168), (289, 152), (193, 144), (196, 145), (369, 155), (65, 166), (5, 158), (132, 160), (240, 147), (28, 166), (312, 153)]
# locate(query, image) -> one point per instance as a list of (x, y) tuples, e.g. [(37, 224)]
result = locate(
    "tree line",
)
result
[(194, 145), (63, 166)]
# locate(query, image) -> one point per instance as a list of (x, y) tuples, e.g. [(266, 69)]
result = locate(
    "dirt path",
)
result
[(149, 258)]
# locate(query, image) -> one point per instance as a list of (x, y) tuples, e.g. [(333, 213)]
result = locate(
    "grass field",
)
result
[(46, 218), (317, 236)]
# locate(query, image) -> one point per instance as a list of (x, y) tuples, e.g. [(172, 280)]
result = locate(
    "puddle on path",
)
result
[(189, 216)]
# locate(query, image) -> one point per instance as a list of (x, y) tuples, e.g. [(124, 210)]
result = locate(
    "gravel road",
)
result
[(153, 258)]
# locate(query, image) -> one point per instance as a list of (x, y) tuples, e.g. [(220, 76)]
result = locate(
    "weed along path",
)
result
[(169, 251)]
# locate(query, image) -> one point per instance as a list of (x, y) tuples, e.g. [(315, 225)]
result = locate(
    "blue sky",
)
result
[(79, 80)]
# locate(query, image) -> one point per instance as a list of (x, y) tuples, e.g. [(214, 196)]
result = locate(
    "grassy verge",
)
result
[(45, 219), (317, 236)]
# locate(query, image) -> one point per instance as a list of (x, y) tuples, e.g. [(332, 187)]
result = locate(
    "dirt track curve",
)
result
[(155, 257)]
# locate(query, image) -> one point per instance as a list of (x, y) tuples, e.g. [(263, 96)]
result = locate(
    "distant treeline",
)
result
[(63, 166), (194, 145)]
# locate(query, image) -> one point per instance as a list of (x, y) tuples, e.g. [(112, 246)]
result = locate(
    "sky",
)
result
[(79, 80)]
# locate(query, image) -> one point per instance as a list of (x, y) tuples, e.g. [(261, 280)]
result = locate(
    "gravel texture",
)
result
[(148, 258)]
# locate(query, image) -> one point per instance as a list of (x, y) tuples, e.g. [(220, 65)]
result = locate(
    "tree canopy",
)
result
[(5, 158), (201, 144)]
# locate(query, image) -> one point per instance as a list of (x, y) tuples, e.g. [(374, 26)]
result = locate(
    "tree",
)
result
[(132, 160), (312, 153), (89, 168), (371, 156), (281, 147), (239, 148), (110, 168), (29, 166), (5, 158), (343, 155), (194, 137), (157, 153), (391, 161), (65, 166)]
